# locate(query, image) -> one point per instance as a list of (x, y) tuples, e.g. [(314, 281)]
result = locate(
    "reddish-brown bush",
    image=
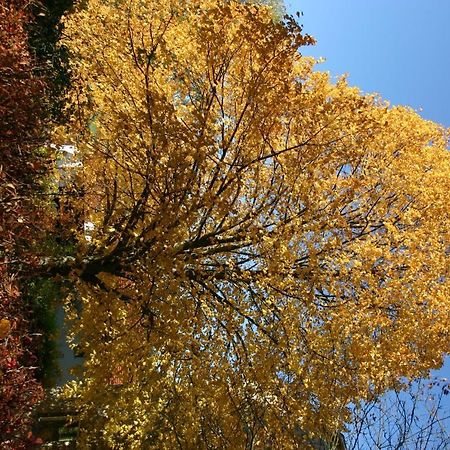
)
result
[(21, 93)]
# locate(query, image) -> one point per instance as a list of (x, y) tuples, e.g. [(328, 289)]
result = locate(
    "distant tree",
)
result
[(277, 6), (268, 247), (44, 33)]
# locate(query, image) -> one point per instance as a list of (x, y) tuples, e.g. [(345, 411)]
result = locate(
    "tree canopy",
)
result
[(268, 246)]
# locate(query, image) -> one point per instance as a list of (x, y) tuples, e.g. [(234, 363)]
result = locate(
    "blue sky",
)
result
[(397, 48)]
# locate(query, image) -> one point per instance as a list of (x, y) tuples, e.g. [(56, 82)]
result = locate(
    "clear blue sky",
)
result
[(398, 48)]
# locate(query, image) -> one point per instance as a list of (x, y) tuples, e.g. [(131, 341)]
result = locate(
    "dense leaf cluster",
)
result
[(267, 247)]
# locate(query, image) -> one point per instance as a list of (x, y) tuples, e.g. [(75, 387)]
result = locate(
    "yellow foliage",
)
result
[(268, 246), (5, 327)]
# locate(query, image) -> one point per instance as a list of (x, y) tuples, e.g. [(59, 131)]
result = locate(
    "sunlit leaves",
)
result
[(268, 246)]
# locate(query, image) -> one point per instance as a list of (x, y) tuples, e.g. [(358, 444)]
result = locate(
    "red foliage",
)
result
[(21, 93), (19, 390), (19, 86)]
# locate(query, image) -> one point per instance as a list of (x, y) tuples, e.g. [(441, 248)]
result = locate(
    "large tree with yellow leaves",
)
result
[(269, 247)]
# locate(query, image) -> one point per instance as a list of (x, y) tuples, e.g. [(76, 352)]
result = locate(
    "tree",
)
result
[(44, 33), (268, 247), (278, 7)]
